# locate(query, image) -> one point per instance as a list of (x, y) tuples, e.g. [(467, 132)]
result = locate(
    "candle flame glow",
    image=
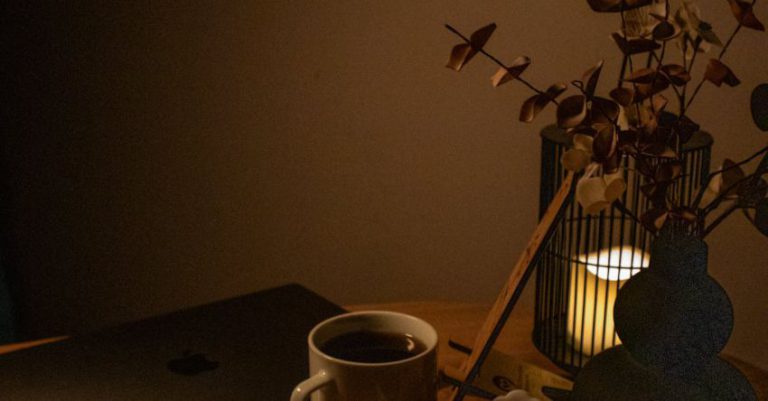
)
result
[(619, 264)]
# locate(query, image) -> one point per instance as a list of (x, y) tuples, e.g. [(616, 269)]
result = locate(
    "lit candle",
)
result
[(592, 294)]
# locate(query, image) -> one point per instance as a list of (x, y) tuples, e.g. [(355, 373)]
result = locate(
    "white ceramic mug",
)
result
[(410, 379)]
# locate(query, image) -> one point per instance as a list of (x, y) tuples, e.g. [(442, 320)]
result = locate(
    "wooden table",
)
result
[(462, 321)]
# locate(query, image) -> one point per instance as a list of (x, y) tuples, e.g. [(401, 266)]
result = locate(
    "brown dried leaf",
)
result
[(614, 6), (665, 30), (534, 104), (642, 76), (605, 143), (615, 186), (659, 102), (752, 192), (590, 78), (583, 142), (668, 172), (575, 160), (571, 111), (504, 75), (590, 193), (644, 91), (480, 37), (648, 118), (623, 96), (719, 73), (634, 46), (685, 128), (604, 111), (731, 176), (676, 74), (745, 15), (704, 30), (462, 53)]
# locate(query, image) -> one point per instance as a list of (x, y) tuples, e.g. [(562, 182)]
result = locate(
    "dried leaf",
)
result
[(759, 106), (705, 31), (623, 96), (684, 127), (504, 75), (480, 37), (659, 102), (668, 172), (642, 76), (659, 150), (717, 73), (590, 77), (583, 142), (575, 160), (745, 15), (676, 74), (731, 176), (590, 193), (534, 104), (644, 91), (712, 190), (752, 192), (654, 219), (648, 118), (761, 217), (571, 111), (615, 6), (462, 53), (605, 143), (656, 193), (615, 186), (634, 46), (604, 111), (665, 30)]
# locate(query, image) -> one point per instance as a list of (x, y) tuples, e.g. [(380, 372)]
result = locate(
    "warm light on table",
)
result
[(594, 282)]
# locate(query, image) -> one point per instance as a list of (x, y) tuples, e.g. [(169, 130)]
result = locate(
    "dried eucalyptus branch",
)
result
[(719, 57), (703, 188), (499, 63)]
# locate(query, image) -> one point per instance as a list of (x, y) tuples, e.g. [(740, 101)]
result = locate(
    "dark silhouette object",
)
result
[(191, 364), (673, 320)]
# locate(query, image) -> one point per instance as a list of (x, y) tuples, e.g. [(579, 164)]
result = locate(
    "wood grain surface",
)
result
[(462, 321)]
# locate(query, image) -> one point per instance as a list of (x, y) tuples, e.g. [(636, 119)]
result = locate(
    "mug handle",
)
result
[(302, 391)]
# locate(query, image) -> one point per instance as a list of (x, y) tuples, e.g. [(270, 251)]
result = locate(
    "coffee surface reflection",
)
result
[(373, 346)]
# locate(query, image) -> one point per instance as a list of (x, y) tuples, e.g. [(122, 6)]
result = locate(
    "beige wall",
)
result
[(166, 155)]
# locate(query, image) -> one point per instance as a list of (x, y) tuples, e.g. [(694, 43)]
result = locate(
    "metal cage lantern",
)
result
[(588, 258)]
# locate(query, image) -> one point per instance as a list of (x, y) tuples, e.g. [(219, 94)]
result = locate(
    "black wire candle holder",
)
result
[(589, 257)]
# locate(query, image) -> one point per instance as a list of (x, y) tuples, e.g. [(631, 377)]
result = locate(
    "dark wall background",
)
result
[(164, 154)]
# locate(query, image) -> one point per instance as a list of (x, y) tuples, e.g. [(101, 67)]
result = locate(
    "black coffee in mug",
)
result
[(373, 346)]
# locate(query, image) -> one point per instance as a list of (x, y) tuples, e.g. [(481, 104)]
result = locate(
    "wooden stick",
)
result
[(511, 292)]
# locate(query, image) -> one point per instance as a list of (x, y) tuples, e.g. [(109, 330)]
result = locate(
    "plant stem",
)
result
[(745, 161), (720, 57), (623, 209), (724, 193), (499, 63), (696, 201)]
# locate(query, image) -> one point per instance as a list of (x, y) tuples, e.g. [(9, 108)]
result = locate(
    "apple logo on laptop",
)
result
[(191, 364)]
